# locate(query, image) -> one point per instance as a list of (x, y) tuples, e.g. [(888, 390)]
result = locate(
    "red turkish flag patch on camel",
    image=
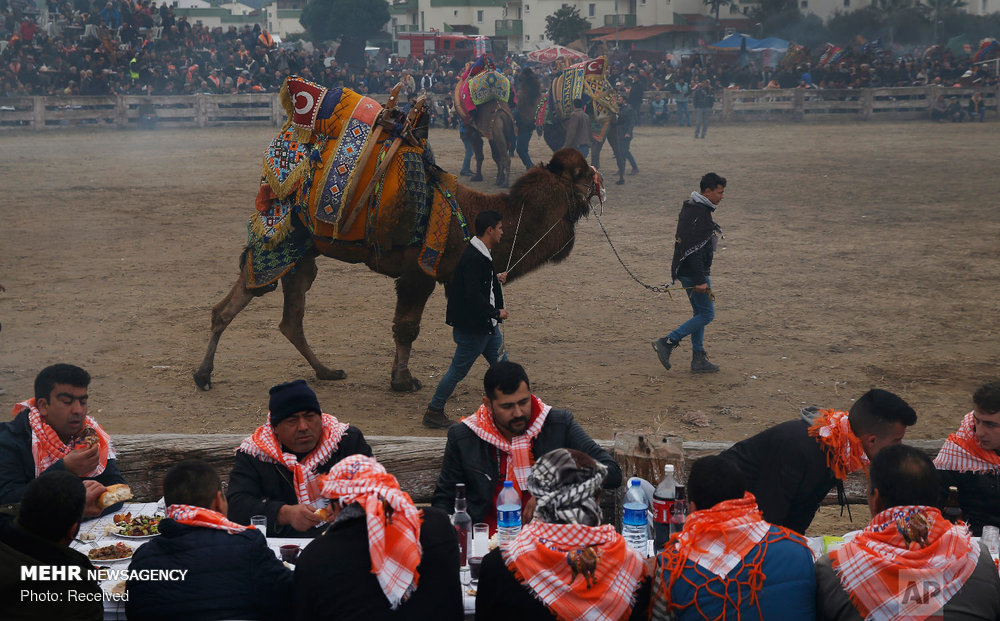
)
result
[(306, 100)]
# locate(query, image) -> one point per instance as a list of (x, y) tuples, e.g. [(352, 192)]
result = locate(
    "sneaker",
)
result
[(663, 348), (436, 419)]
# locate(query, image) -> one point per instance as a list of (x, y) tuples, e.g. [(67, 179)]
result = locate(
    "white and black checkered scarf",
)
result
[(564, 492)]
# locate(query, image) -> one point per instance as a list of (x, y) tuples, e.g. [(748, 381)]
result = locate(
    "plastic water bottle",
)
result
[(634, 522), (663, 504), (508, 513)]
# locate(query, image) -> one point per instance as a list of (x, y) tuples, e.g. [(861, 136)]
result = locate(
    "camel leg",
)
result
[(477, 147), (412, 290), (295, 285), (222, 315)]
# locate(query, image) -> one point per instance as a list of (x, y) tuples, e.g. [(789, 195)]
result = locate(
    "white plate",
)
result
[(123, 536)]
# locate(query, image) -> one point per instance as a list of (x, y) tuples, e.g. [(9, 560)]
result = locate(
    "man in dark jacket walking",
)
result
[(475, 309), (229, 572), (694, 248)]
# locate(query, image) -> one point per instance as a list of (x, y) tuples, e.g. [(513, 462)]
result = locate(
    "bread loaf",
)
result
[(114, 494)]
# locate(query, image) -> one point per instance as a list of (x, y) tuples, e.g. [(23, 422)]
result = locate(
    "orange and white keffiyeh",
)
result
[(521, 460), (47, 448), (393, 522), (540, 557), (962, 451), (264, 445), (203, 518), (719, 538), (878, 568), (844, 453)]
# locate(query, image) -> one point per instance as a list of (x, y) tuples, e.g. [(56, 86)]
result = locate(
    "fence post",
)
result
[(799, 100), (38, 112), (867, 103), (121, 112), (277, 112), (201, 110)]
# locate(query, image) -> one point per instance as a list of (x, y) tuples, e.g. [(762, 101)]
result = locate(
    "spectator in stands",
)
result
[(276, 473), (231, 572), (536, 576), (909, 562), (977, 107), (970, 460), (49, 519), (728, 563), (682, 92), (52, 432), (658, 110)]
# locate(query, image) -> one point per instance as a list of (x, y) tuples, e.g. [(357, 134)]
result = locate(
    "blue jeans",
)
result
[(469, 347), (704, 313), (468, 154), (683, 116)]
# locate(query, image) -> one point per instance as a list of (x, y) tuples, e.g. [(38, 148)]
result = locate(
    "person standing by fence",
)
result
[(683, 114), (704, 99)]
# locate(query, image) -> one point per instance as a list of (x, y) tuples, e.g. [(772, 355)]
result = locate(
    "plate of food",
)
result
[(111, 554), (138, 527)]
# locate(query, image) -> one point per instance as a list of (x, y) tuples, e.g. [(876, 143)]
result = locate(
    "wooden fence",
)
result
[(779, 105)]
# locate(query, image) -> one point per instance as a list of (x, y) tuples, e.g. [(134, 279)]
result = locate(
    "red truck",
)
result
[(456, 46)]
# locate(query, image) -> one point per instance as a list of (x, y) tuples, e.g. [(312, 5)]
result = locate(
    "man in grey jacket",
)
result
[(909, 562), (578, 129)]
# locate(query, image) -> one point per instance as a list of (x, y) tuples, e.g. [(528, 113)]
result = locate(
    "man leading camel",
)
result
[(475, 310)]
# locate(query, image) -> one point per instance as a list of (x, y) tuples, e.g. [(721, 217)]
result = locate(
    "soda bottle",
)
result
[(462, 522), (508, 513), (634, 521), (663, 503), (678, 513)]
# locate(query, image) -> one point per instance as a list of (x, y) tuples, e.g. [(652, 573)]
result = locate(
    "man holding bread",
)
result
[(52, 432), (277, 469)]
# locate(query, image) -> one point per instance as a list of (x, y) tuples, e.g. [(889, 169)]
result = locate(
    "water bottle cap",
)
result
[(635, 482), (669, 468), (508, 484)]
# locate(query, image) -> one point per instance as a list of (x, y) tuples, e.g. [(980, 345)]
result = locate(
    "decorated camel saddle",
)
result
[(481, 83), (347, 175), (587, 81)]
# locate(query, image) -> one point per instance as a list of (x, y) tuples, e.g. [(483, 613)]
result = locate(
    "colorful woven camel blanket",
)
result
[(587, 81), (480, 83)]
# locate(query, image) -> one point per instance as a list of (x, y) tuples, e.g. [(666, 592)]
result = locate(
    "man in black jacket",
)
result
[(694, 248), (229, 572), (502, 439), (475, 309), (276, 470)]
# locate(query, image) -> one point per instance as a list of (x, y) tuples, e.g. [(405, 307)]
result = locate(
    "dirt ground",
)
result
[(855, 256)]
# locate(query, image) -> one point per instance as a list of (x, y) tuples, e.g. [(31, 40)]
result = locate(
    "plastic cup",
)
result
[(480, 539), (991, 538), (290, 552), (475, 564), (260, 523)]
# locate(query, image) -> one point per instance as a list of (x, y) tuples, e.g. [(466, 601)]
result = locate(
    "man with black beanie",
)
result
[(276, 468)]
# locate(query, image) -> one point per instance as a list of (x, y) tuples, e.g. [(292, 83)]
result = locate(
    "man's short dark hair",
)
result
[(877, 410), (987, 398), (904, 475), (578, 103), (52, 504), (505, 375), (487, 219), (69, 374), (191, 482), (714, 479), (711, 181)]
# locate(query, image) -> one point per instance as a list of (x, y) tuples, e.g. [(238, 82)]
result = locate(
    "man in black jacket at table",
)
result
[(502, 439), (475, 310)]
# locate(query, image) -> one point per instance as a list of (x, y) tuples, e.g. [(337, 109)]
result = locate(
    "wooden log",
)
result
[(145, 458)]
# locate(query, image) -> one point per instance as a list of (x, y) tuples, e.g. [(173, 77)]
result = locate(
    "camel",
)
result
[(543, 206), (529, 92), (494, 122)]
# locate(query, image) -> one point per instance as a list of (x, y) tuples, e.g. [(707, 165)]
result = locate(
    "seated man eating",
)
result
[(51, 433), (276, 468)]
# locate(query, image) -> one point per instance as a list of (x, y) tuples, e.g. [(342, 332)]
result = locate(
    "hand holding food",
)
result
[(81, 461), (114, 494)]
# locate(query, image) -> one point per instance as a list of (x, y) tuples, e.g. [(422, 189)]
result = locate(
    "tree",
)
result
[(892, 11), (350, 21), (716, 6), (937, 10), (565, 25)]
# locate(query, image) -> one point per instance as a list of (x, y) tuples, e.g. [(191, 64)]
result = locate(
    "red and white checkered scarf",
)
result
[(47, 448), (264, 445), (844, 453), (719, 538), (887, 578), (540, 558), (519, 449), (203, 518), (962, 451), (393, 522)]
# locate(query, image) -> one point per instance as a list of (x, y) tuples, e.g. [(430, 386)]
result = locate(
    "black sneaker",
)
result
[(436, 419)]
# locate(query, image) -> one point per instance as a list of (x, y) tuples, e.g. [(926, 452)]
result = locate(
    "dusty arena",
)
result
[(855, 256)]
